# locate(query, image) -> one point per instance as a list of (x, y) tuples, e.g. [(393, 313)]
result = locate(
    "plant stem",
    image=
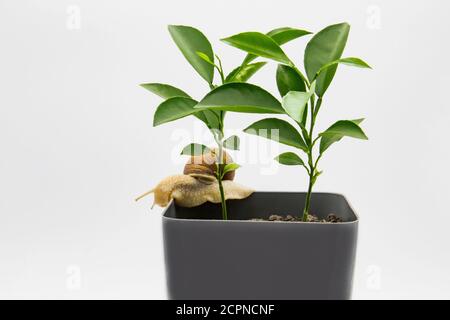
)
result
[(224, 203), (219, 179), (218, 136), (308, 199), (311, 163), (220, 160)]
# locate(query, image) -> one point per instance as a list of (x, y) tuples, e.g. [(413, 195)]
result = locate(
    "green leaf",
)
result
[(194, 149), (206, 58), (346, 128), (232, 143), (190, 41), (325, 47), (286, 34), (240, 97), (230, 167), (295, 103), (212, 118), (303, 123), (245, 72), (288, 80), (290, 159), (173, 109), (201, 116), (339, 130), (165, 91), (351, 61), (280, 36), (277, 130), (258, 44), (209, 117)]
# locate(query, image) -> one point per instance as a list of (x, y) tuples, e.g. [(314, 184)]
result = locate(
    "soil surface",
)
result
[(331, 218)]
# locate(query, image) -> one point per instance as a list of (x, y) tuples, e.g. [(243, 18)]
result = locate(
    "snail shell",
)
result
[(205, 164), (198, 184)]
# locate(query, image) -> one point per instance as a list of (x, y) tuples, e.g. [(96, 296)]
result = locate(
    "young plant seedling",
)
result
[(178, 104), (300, 94)]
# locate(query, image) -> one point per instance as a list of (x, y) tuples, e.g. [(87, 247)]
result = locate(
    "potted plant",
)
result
[(306, 253), (206, 166)]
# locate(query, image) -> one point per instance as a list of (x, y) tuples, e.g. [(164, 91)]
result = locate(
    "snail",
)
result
[(198, 183)]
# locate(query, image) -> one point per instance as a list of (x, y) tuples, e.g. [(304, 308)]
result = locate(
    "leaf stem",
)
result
[(220, 69), (306, 168), (317, 161), (319, 103), (305, 80), (315, 140)]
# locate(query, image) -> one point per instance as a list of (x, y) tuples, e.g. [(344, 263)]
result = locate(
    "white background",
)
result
[(77, 142)]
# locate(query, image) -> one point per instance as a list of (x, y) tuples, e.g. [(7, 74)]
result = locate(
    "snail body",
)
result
[(198, 184)]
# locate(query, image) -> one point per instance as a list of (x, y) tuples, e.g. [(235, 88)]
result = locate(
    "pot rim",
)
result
[(356, 220)]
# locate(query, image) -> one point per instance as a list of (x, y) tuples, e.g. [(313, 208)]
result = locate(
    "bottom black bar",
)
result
[(162, 309)]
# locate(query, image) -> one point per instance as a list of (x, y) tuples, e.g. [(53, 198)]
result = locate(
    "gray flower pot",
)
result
[(207, 258)]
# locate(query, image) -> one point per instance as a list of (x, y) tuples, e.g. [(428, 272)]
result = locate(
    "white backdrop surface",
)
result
[(77, 142)]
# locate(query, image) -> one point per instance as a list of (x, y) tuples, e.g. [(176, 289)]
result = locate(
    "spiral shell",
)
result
[(205, 164)]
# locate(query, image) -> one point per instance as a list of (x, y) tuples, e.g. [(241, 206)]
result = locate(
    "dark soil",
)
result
[(331, 218)]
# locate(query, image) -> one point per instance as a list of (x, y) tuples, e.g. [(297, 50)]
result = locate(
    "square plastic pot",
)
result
[(208, 258)]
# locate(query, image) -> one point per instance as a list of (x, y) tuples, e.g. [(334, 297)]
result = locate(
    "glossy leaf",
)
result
[(286, 34), (258, 44), (280, 36), (205, 57), (290, 159), (277, 130), (240, 97), (165, 91), (211, 117), (195, 149), (295, 103), (201, 116), (245, 72), (327, 140), (303, 123), (190, 41), (288, 80), (340, 129), (325, 47), (232, 143), (173, 109), (351, 61), (230, 167), (346, 128)]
